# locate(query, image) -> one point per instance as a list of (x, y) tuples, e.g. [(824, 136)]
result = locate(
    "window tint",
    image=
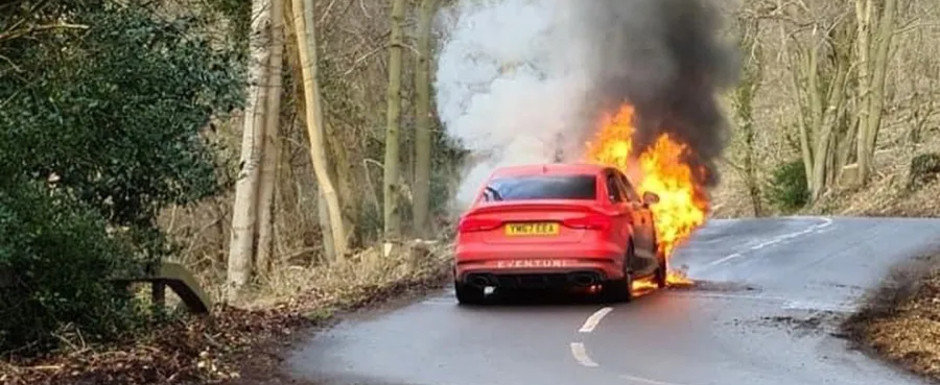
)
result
[(581, 187)]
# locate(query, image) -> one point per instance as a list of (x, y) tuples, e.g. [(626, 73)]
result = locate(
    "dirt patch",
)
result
[(805, 323), (901, 319)]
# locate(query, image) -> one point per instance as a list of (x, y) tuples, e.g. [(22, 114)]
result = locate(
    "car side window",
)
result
[(614, 190), (628, 188)]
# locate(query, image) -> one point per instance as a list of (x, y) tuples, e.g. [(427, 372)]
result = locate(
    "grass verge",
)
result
[(218, 348), (901, 320)]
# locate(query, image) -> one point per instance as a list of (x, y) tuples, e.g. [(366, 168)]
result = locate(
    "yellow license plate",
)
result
[(546, 229)]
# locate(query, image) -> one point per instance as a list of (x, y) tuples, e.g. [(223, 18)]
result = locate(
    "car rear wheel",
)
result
[(620, 290), (468, 294)]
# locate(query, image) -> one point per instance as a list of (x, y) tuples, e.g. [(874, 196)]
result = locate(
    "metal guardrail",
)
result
[(172, 275)]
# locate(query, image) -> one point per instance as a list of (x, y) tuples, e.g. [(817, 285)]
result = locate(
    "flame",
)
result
[(662, 169)]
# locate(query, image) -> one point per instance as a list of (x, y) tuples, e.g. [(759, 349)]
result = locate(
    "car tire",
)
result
[(620, 290), (468, 294)]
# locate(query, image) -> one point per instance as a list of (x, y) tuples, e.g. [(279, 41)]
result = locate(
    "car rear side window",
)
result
[(575, 187)]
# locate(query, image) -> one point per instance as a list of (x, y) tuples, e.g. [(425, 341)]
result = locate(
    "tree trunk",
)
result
[(815, 110), (876, 96), (390, 183), (324, 217), (246, 188), (271, 143), (421, 205), (306, 43), (341, 172), (743, 101), (863, 14)]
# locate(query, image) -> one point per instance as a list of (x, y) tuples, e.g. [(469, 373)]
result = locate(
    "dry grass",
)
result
[(352, 281), (901, 322)]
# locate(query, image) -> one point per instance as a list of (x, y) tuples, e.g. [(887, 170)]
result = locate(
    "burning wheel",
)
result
[(662, 273)]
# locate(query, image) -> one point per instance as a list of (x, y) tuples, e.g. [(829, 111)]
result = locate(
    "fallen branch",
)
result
[(26, 31)]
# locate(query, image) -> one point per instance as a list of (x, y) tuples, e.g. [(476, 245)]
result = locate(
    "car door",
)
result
[(644, 232)]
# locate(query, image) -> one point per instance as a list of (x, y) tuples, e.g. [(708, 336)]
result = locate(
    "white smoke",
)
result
[(523, 81), (510, 85)]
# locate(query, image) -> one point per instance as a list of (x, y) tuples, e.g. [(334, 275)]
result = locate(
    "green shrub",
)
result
[(925, 168), (58, 258), (99, 131), (787, 189)]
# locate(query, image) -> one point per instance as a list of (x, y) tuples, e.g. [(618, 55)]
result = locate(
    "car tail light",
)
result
[(471, 224), (589, 222)]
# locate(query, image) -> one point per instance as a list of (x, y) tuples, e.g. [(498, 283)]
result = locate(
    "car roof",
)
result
[(549, 169)]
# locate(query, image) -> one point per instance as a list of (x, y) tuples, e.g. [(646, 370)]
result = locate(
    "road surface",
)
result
[(776, 290)]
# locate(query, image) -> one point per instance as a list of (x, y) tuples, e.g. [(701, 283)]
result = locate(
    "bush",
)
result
[(99, 130), (787, 189), (59, 259), (925, 168)]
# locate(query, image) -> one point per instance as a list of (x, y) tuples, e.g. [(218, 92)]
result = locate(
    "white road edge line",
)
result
[(826, 222), (645, 381), (579, 352), (594, 319)]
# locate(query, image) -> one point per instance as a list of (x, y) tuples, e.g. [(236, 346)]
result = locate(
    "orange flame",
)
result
[(662, 169)]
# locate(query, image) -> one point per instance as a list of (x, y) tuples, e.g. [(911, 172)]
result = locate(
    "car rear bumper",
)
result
[(533, 280), (553, 265)]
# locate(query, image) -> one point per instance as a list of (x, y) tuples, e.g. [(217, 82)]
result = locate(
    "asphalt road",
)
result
[(776, 289)]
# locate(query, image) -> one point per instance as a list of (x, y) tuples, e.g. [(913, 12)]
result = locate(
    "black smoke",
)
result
[(666, 57)]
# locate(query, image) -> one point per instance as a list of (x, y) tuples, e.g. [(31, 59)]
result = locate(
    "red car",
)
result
[(557, 226)]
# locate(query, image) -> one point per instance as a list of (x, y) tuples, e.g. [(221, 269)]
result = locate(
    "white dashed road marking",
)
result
[(817, 227), (594, 319), (580, 354)]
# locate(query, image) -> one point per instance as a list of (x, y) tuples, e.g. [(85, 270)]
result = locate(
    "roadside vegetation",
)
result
[(289, 154), (901, 320)]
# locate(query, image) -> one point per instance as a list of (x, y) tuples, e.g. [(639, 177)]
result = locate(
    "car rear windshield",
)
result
[(517, 188)]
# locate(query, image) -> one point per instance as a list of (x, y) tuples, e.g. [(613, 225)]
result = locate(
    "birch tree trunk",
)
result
[(271, 152), (422, 187), (306, 42), (390, 182), (241, 246)]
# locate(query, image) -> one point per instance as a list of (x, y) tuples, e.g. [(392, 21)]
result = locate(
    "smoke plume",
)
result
[(525, 81)]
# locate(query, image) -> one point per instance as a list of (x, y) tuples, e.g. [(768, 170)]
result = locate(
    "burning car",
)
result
[(555, 226)]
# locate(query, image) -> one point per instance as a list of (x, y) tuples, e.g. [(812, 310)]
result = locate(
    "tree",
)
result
[(306, 44), (245, 209), (422, 183), (100, 129), (820, 54), (743, 102), (391, 184), (874, 47), (269, 160)]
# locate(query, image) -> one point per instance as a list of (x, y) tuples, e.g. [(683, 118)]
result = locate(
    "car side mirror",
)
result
[(650, 199)]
